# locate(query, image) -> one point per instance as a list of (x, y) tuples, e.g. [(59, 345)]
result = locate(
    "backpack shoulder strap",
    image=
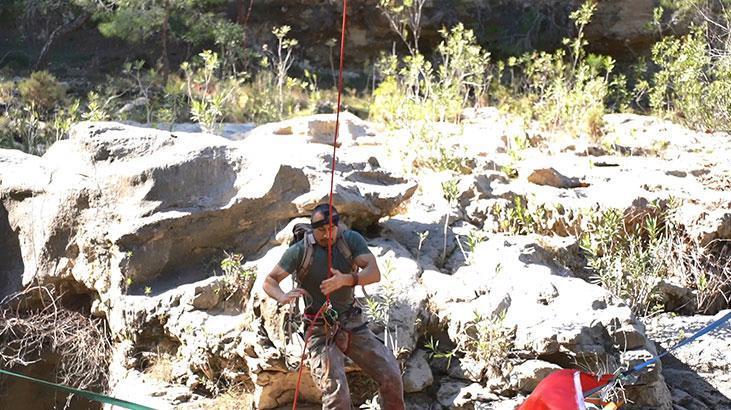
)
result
[(306, 262), (344, 249), (342, 245)]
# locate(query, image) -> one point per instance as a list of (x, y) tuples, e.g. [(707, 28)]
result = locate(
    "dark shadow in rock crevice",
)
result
[(17, 393), (689, 389), (11, 258)]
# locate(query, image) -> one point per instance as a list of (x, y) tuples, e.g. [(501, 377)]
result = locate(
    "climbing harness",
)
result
[(293, 335), (326, 306)]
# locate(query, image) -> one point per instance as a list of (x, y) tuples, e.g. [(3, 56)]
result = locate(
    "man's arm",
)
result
[(272, 288), (369, 272)]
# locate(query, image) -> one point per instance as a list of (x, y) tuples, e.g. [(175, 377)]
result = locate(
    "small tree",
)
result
[(281, 60), (693, 81), (206, 101), (404, 17)]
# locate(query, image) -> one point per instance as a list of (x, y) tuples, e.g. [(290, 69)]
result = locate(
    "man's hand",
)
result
[(292, 296), (337, 281)]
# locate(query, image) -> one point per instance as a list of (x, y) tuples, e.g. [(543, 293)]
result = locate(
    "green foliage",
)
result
[(564, 90), (97, 107), (207, 99), (693, 83), (139, 20), (474, 239), (229, 37), (234, 269), (42, 90), (450, 192), (174, 105), (435, 352), (256, 100), (487, 340), (63, 119), (237, 277), (281, 61), (413, 91), (629, 258), (520, 219), (463, 71), (35, 114), (404, 17), (379, 306)]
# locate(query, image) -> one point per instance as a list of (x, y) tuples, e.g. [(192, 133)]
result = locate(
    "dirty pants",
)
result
[(327, 365)]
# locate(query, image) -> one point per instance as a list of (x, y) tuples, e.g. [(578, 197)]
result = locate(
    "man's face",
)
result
[(323, 233)]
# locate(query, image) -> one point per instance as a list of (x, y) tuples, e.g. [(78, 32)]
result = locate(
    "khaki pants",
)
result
[(327, 365)]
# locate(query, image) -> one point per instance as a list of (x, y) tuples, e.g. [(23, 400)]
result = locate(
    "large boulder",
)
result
[(552, 316), (118, 208)]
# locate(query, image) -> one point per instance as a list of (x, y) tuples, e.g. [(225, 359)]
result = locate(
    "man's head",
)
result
[(320, 221)]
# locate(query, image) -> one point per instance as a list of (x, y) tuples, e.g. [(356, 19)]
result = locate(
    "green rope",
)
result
[(83, 393)]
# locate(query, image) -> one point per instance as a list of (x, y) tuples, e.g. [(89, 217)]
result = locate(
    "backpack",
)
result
[(303, 231)]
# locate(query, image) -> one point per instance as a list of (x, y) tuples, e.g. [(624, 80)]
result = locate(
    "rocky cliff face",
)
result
[(136, 221)]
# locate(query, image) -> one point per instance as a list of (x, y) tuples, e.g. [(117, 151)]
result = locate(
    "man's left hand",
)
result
[(335, 282)]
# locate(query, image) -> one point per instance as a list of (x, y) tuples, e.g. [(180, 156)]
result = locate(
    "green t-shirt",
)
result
[(341, 299)]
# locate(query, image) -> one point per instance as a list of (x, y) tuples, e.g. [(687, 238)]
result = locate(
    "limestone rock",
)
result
[(551, 177), (417, 373)]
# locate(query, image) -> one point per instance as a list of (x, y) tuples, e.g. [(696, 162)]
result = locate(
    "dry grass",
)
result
[(235, 398), (161, 368), (29, 334), (707, 269)]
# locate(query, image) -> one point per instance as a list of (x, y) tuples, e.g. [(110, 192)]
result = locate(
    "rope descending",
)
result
[(326, 307)]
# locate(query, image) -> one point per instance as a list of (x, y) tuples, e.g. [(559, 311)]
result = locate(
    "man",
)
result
[(344, 332)]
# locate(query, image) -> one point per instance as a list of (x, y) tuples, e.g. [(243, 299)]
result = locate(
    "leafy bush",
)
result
[(237, 277), (487, 341), (413, 90), (207, 99), (564, 90), (630, 256), (693, 83), (42, 90)]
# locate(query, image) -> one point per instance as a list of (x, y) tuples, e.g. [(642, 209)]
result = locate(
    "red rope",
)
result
[(332, 187)]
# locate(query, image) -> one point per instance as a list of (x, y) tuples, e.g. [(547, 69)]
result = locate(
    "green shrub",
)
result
[(692, 85), (564, 90), (42, 90), (630, 256), (487, 340), (238, 279), (206, 96), (414, 90)]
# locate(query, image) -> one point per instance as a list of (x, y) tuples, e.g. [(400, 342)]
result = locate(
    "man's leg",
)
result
[(327, 366), (378, 362)]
